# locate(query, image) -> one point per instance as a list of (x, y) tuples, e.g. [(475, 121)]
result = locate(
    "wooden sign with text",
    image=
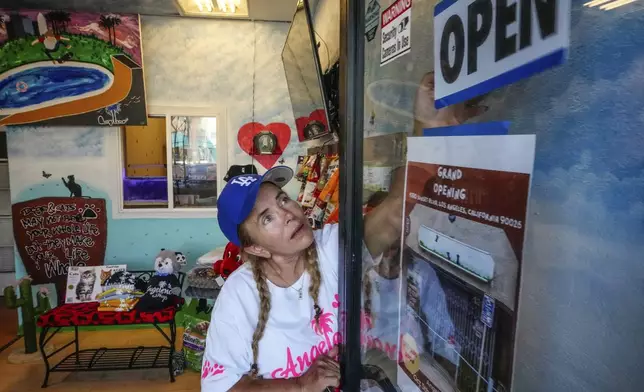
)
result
[(54, 233)]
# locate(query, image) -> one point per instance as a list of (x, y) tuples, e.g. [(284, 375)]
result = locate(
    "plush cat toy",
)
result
[(164, 287), (231, 260)]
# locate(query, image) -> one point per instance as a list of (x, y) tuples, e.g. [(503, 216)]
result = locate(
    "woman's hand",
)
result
[(323, 373), (427, 116)]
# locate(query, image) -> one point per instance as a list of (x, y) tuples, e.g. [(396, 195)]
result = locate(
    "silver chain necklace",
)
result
[(298, 291)]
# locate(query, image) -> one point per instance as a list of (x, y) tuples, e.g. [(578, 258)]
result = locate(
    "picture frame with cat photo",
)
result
[(85, 283)]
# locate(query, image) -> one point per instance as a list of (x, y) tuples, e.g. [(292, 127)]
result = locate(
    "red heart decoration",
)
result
[(248, 131), (300, 123)]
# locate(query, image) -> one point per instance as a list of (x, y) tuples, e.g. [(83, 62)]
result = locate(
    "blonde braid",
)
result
[(264, 309), (316, 279)]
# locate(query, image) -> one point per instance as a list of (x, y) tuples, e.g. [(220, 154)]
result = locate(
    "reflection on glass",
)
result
[(194, 165)]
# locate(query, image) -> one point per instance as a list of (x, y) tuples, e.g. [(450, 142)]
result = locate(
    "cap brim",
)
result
[(278, 175)]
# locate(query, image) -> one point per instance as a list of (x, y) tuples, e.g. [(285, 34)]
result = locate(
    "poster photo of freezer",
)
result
[(466, 203)]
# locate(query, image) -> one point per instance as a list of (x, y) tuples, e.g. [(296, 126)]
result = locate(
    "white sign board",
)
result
[(481, 45), (395, 31)]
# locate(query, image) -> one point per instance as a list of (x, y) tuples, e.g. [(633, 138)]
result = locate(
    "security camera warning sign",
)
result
[(395, 31)]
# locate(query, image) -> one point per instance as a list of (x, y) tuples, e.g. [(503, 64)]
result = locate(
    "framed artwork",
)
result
[(60, 68)]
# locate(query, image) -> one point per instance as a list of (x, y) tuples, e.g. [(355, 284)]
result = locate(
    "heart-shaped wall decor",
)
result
[(301, 122), (248, 131)]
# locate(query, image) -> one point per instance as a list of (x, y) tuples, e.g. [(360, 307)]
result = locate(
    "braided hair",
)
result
[(311, 266)]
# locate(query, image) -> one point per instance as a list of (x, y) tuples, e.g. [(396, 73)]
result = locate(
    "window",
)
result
[(169, 168)]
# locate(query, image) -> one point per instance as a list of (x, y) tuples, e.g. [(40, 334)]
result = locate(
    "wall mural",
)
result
[(61, 68), (55, 233), (246, 136), (42, 157)]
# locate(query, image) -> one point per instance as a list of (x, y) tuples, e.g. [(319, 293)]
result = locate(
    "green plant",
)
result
[(28, 310)]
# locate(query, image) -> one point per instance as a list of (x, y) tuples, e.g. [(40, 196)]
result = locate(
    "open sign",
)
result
[(481, 45)]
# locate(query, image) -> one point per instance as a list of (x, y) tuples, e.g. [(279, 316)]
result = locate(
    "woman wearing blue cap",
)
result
[(274, 326)]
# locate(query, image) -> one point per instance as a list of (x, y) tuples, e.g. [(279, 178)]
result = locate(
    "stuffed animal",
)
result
[(164, 287), (167, 262), (231, 260), (181, 259)]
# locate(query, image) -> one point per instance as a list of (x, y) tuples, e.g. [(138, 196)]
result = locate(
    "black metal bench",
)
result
[(108, 359)]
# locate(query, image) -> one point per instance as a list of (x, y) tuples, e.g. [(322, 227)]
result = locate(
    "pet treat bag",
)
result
[(194, 341)]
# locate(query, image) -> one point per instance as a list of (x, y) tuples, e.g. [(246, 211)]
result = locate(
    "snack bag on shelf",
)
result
[(307, 166), (332, 167), (331, 213), (300, 195), (300, 162), (330, 187), (318, 211), (194, 341), (308, 199)]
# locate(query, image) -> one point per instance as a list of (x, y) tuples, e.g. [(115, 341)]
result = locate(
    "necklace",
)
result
[(298, 291)]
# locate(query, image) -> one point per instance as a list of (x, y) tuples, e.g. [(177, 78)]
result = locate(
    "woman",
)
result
[(274, 326)]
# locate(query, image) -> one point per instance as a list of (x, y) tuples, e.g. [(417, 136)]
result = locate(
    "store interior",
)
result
[(121, 121)]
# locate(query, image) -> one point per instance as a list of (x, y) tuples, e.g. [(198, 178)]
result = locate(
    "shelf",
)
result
[(115, 359)]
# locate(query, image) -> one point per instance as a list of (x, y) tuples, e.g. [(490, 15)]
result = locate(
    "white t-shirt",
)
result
[(291, 340)]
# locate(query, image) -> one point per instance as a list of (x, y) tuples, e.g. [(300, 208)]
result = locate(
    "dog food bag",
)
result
[(194, 341)]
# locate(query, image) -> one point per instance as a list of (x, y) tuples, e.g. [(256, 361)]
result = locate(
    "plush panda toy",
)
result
[(164, 287), (181, 259)]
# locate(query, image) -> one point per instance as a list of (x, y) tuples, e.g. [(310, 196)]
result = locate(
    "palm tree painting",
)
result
[(58, 20), (52, 19), (115, 22), (109, 23), (63, 18)]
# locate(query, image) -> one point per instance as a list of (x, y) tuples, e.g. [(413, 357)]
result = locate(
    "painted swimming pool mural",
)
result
[(59, 68)]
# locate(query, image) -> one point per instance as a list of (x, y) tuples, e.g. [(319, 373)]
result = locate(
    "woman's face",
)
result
[(277, 225)]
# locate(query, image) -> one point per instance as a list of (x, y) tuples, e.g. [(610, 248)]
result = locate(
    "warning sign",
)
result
[(395, 31)]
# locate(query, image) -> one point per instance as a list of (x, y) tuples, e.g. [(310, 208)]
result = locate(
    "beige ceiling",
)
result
[(269, 10), (275, 10)]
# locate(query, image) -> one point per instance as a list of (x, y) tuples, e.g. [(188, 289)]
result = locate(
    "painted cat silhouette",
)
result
[(74, 188)]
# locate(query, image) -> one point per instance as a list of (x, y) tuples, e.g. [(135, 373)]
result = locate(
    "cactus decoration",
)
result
[(29, 311)]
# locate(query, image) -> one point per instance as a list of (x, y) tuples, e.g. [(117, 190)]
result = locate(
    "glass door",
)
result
[(571, 277)]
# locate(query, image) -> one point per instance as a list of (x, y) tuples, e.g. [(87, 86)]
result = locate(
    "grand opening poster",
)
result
[(466, 202)]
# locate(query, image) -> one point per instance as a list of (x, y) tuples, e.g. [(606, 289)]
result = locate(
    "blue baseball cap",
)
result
[(237, 199)]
